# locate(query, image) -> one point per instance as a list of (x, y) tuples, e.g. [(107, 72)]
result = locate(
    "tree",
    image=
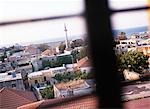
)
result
[(51, 64), (67, 76), (77, 43), (3, 56), (43, 47), (122, 36), (62, 47), (115, 42), (83, 53), (48, 92), (67, 59), (134, 61), (75, 54), (46, 63)]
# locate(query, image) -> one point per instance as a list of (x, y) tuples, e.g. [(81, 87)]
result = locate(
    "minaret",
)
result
[(66, 39)]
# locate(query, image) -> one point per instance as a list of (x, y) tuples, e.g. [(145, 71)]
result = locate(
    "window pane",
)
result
[(132, 48), (49, 58), (26, 9), (41, 31), (130, 22), (124, 4)]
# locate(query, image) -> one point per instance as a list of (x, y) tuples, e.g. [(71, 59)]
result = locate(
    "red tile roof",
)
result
[(83, 102), (143, 103), (84, 62), (33, 105), (31, 49), (12, 98), (72, 84), (49, 52)]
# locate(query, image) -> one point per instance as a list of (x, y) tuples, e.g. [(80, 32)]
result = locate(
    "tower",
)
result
[(66, 37)]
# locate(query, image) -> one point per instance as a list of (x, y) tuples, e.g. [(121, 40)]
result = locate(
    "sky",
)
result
[(11, 10), (48, 30), (124, 4), (128, 19)]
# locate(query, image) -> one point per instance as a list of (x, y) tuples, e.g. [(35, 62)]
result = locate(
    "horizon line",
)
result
[(50, 40)]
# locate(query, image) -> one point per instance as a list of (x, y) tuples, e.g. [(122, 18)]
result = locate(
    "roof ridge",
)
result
[(32, 104), (2, 89)]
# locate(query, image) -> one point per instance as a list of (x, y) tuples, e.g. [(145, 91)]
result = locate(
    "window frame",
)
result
[(97, 15)]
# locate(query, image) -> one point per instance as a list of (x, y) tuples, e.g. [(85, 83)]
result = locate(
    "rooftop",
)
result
[(7, 77), (64, 54), (81, 102), (143, 46), (40, 73), (57, 68), (84, 62), (72, 84), (48, 52), (12, 98)]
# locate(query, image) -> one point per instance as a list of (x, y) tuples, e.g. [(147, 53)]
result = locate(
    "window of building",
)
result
[(13, 85), (45, 78), (36, 81)]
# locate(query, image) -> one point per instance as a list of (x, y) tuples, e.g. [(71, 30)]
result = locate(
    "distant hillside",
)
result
[(51, 41), (130, 31)]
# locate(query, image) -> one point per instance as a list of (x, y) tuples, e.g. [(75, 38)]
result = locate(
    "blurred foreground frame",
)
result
[(100, 39)]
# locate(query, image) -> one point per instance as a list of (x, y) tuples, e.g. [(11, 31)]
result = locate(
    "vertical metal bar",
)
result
[(100, 38), (148, 11)]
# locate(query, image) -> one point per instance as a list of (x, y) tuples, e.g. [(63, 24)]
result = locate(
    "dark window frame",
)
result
[(97, 15)]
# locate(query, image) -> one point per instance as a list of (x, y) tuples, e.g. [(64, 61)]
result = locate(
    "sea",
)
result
[(130, 31)]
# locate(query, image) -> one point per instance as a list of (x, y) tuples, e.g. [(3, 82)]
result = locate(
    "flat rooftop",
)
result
[(5, 77)]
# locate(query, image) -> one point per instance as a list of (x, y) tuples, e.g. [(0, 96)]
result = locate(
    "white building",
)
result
[(84, 65), (71, 67), (73, 88), (44, 76), (129, 42), (11, 80), (57, 70)]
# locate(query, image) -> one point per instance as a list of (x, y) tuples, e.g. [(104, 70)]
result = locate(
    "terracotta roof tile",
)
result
[(49, 52), (143, 103), (84, 62), (12, 98), (31, 49), (73, 84), (33, 105), (83, 102)]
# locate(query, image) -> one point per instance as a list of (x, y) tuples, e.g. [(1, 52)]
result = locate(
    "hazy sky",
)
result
[(25, 9), (129, 19), (123, 4)]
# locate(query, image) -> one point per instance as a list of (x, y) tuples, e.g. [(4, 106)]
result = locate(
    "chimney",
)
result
[(64, 65), (13, 74), (70, 92), (77, 60)]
